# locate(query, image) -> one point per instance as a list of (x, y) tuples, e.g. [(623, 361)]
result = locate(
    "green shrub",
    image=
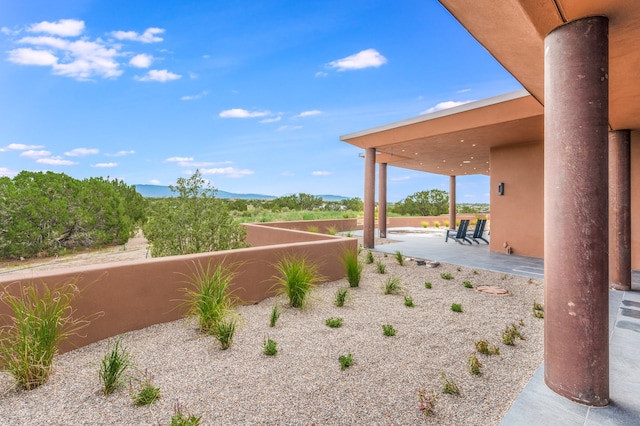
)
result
[(408, 302), (147, 393), (474, 365), (436, 224), (346, 361), (224, 332), (296, 279), (427, 284), (425, 224), (180, 419), (449, 386), (393, 285), (332, 230), (313, 228), (388, 330), (270, 347), (275, 314), (446, 276), (483, 347), (538, 310), (112, 368), (353, 267), (368, 259), (41, 319), (456, 307), (510, 334), (334, 322), (341, 296), (381, 267), (399, 258), (467, 284)]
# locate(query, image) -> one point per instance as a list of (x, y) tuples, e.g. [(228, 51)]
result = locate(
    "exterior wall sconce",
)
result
[(501, 188)]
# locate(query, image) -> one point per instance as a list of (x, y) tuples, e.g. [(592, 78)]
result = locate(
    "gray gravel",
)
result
[(303, 383)]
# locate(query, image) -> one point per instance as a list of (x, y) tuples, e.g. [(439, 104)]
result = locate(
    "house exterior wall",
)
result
[(635, 200), (517, 217)]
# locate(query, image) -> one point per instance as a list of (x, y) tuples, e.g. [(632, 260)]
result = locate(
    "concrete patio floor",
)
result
[(537, 404)]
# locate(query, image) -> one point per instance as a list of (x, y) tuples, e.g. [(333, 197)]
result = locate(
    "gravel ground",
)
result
[(303, 383)]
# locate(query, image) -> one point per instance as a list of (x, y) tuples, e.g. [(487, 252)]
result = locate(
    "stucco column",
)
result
[(576, 223), (369, 197), (382, 199), (620, 209), (452, 202)]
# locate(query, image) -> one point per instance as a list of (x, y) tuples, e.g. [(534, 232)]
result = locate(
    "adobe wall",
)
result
[(418, 221), (341, 225), (635, 200), (136, 294), (517, 217)]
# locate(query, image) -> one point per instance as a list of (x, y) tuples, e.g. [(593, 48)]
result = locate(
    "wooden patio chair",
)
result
[(478, 232), (460, 234)]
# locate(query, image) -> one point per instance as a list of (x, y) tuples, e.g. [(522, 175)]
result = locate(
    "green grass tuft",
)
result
[(427, 285), (456, 307), (381, 267), (353, 267), (368, 258), (448, 385), (446, 276), (399, 258), (341, 296), (113, 366), (334, 322), (346, 361), (483, 347), (296, 278), (181, 419), (474, 365), (408, 302), (270, 347), (388, 330), (393, 285), (467, 284), (275, 314)]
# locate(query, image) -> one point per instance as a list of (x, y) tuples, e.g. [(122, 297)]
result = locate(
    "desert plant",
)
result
[(427, 284), (348, 234), (346, 361), (146, 393), (313, 228), (427, 401), (483, 347), (538, 310), (270, 347), (334, 322), (297, 277), (42, 317), (332, 230), (458, 269), (510, 334), (474, 365), (208, 296), (368, 258), (112, 368), (225, 330), (381, 267), (353, 267), (467, 284), (393, 285), (408, 302), (475, 272), (446, 223), (388, 330), (456, 307), (446, 276), (448, 385), (425, 224), (399, 257), (436, 224), (341, 296), (275, 314), (181, 419)]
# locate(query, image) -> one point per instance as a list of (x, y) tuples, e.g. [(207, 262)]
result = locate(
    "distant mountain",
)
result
[(159, 191)]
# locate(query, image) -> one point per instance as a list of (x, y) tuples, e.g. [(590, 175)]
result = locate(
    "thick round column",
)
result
[(369, 197), (576, 223), (452, 202), (382, 199), (620, 210)]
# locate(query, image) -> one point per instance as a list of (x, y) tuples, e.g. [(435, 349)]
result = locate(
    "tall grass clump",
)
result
[(146, 394), (399, 257), (368, 258), (275, 314), (296, 278), (42, 317), (341, 296), (353, 267), (181, 419), (113, 366), (225, 331), (332, 230), (393, 285), (381, 267)]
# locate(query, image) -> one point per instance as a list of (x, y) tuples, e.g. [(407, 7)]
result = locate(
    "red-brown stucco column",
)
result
[(620, 209), (576, 223), (382, 199), (452, 202), (368, 239)]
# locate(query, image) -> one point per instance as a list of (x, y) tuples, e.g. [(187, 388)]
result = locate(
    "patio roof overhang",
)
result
[(456, 141)]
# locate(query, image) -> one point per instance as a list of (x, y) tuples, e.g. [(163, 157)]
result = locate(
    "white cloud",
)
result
[(7, 31), (141, 61), (81, 152), (271, 120), (321, 74), (242, 113), (55, 161), (121, 153), (178, 159), (105, 165), (6, 172), (463, 91), (154, 181), (399, 178), (159, 75), (287, 127), (28, 56), (321, 173), (444, 105), (20, 147), (194, 97), (364, 59), (309, 113), (149, 35), (62, 28), (230, 172), (31, 153)]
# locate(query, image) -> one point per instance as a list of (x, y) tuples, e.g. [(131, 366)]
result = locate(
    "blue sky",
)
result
[(255, 94)]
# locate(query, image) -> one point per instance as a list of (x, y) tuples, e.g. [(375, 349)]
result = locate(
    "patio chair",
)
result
[(459, 235), (478, 232)]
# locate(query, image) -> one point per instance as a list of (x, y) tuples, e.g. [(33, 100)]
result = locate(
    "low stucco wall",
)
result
[(136, 294), (341, 225), (418, 221)]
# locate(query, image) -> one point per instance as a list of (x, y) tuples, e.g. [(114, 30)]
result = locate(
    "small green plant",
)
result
[(147, 393), (388, 330), (368, 258), (458, 269), (225, 331), (346, 361), (467, 284), (112, 368), (408, 302), (510, 334), (484, 348), (332, 230), (334, 322), (270, 347), (399, 258), (296, 279), (275, 314), (474, 365), (503, 277), (425, 224), (313, 228), (353, 267), (181, 419), (456, 307), (381, 267), (41, 319), (475, 272), (427, 401), (341, 296), (427, 285), (385, 255), (348, 234), (538, 310), (446, 276), (436, 224), (448, 385), (446, 223), (393, 285)]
